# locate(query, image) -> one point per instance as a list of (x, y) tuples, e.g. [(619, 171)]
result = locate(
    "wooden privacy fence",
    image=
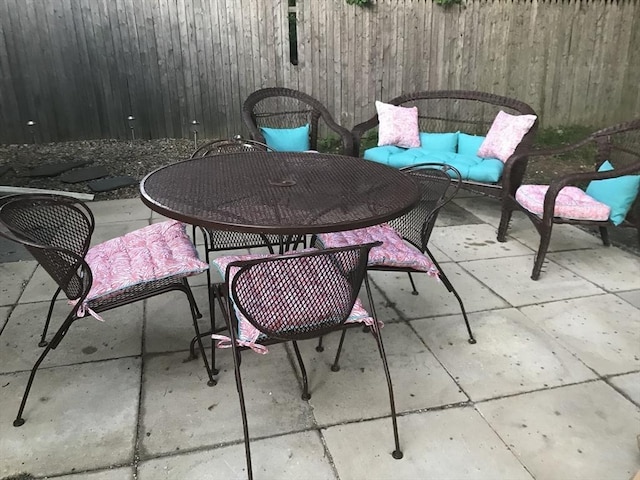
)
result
[(79, 68)]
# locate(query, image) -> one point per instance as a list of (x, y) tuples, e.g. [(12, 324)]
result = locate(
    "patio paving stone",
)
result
[(120, 211), (602, 331), (180, 412), (629, 384), (449, 444), (578, 432), (107, 231), (614, 270), (511, 277), (557, 352), (433, 298), (64, 430), (169, 325), (125, 473), (512, 354), (633, 297), (288, 457), (88, 339), (13, 276), (40, 288), (419, 381), (470, 242)]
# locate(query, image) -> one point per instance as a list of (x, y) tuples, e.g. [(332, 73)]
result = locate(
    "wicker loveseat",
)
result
[(469, 112)]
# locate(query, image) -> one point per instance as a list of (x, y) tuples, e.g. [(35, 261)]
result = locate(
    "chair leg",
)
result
[(243, 409), (375, 330), (19, 421), (192, 303), (305, 381), (447, 283), (43, 341), (505, 219), (545, 238), (320, 347), (336, 367), (413, 284), (53, 344), (604, 234)]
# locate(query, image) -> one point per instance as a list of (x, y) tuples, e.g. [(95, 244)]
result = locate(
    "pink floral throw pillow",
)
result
[(398, 126), (505, 135)]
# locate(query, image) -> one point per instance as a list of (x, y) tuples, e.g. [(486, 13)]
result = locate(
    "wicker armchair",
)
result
[(287, 108), (620, 145), (442, 111)]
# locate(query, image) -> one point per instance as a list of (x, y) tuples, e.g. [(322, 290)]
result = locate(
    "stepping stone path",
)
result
[(84, 174), (77, 175), (106, 184), (54, 169)]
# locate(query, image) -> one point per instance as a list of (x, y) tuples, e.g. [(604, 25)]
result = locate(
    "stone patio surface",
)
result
[(550, 391)]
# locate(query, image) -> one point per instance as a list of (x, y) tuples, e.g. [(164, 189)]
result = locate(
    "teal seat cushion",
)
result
[(469, 144), (439, 142), (474, 168), (413, 156), (287, 139), (382, 154), (618, 193), (471, 167)]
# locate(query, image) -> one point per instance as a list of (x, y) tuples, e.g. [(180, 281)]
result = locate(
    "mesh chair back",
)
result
[(439, 183), (293, 297), (225, 240), (231, 145), (57, 232)]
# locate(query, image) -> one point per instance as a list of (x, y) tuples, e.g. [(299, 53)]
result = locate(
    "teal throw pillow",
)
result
[(469, 144), (287, 139), (439, 142), (618, 193)]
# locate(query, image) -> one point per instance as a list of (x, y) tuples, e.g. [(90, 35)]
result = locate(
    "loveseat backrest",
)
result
[(442, 111)]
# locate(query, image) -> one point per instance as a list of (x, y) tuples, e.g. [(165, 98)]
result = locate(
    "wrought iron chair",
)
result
[(57, 232), (220, 240), (439, 184), (285, 298), (556, 203), (284, 108)]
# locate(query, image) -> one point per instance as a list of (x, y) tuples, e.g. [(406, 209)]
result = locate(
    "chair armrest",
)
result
[(516, 165), (359, 131), (574, 178)]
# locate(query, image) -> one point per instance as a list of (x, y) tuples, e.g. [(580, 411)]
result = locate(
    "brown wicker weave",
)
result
[(287, 108), (619, 144), (471, 112)]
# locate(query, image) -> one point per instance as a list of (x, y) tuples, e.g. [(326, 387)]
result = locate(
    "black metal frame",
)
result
[(439, 183), (60, 247), (351, 263)]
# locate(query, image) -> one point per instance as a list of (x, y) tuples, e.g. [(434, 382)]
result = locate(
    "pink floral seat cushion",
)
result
[(394, 251), (292, 301), (571, 203), (156, 252)]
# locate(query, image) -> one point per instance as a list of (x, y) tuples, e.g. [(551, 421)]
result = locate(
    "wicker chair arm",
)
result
[(575, 178), (516, 164)]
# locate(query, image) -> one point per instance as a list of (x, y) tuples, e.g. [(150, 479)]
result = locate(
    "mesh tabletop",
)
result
[(279, 192)]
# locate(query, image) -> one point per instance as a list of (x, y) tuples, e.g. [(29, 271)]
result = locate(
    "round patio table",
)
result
[(279, 193)]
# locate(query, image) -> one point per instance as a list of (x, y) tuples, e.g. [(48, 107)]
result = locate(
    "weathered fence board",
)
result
[(79, 67)]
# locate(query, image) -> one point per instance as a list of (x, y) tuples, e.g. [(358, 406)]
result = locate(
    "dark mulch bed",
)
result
[(119, 157)]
